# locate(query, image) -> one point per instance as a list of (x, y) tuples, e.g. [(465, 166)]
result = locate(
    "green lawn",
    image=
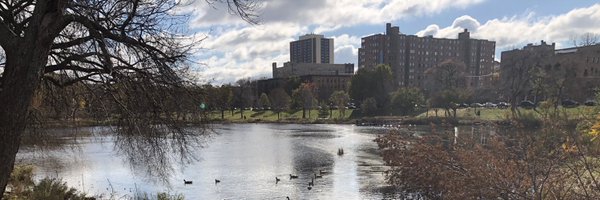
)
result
[(270, 116), (501, 114), (491, 114)]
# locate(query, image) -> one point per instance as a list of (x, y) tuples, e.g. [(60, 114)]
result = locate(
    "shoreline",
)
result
[(364, 121), (467, 116)]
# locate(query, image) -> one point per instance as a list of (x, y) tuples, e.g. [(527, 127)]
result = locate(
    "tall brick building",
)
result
[(409, 56)]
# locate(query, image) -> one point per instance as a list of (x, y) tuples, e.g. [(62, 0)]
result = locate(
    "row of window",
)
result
[(593, 60), (592, 72), (331, 80)]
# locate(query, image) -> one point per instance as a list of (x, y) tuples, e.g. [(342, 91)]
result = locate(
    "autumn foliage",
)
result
[(552, 163)]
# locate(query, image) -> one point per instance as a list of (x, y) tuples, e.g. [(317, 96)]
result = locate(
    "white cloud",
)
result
[(346, 54), (346, 39), (459, 24), (510, 32), (237, 50), (346, 48), (328, 13), (2, 60), (429, 31)]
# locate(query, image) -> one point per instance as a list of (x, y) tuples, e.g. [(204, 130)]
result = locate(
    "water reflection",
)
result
[(246, 158)]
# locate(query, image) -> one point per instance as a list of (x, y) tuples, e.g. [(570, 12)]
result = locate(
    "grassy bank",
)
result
[(268, 116), (464, 116), (496, 114)]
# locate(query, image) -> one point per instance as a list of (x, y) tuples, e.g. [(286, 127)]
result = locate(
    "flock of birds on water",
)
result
[(277, 179), (311, 184), (312, 179)]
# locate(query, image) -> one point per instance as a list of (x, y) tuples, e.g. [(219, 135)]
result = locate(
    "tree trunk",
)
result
[(21, 78), (26, 58), (303, 112), (222, 114)]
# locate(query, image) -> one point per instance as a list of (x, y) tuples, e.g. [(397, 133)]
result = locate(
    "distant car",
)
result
[(463, 105), (527, 104), (350, 106), (489, 105), (476, 105), (503, 105), (569, 103), (590, 103)]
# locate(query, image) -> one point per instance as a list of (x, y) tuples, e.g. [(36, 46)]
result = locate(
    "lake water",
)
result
[(246, 158)]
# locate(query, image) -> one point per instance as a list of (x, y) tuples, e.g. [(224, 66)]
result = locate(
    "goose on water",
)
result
[(318, 176)]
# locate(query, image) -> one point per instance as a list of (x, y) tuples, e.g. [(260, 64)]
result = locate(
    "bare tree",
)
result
[(127, 47), (340, 98), (304, 97), (222, 99), (244, 94), (280, 101), (519, 75), (447, 75), (586, 39), (447, 85), (263, 101)]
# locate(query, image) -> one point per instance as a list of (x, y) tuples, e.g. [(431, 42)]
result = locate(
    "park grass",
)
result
[(469, 114), (268, 116), (496, 114)]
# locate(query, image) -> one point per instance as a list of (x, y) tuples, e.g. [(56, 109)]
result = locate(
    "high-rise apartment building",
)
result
[(312, 48), (311, 61), (409, 56)]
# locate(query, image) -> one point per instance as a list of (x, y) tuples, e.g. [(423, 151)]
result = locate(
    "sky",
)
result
[(233, 49)]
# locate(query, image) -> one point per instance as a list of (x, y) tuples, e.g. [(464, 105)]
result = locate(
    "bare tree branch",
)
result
[(243, 8), (130, 55)]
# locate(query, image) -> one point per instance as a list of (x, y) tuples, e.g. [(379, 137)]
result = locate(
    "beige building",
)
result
[(409, 56), (312, 48), (291, 69), (311, 61), (576, 69)]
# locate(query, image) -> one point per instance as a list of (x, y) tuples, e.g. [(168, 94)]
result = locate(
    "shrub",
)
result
[(55, 189), (528, 120), (552, 163), (22, 186), (159, 196), (369, 106)]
